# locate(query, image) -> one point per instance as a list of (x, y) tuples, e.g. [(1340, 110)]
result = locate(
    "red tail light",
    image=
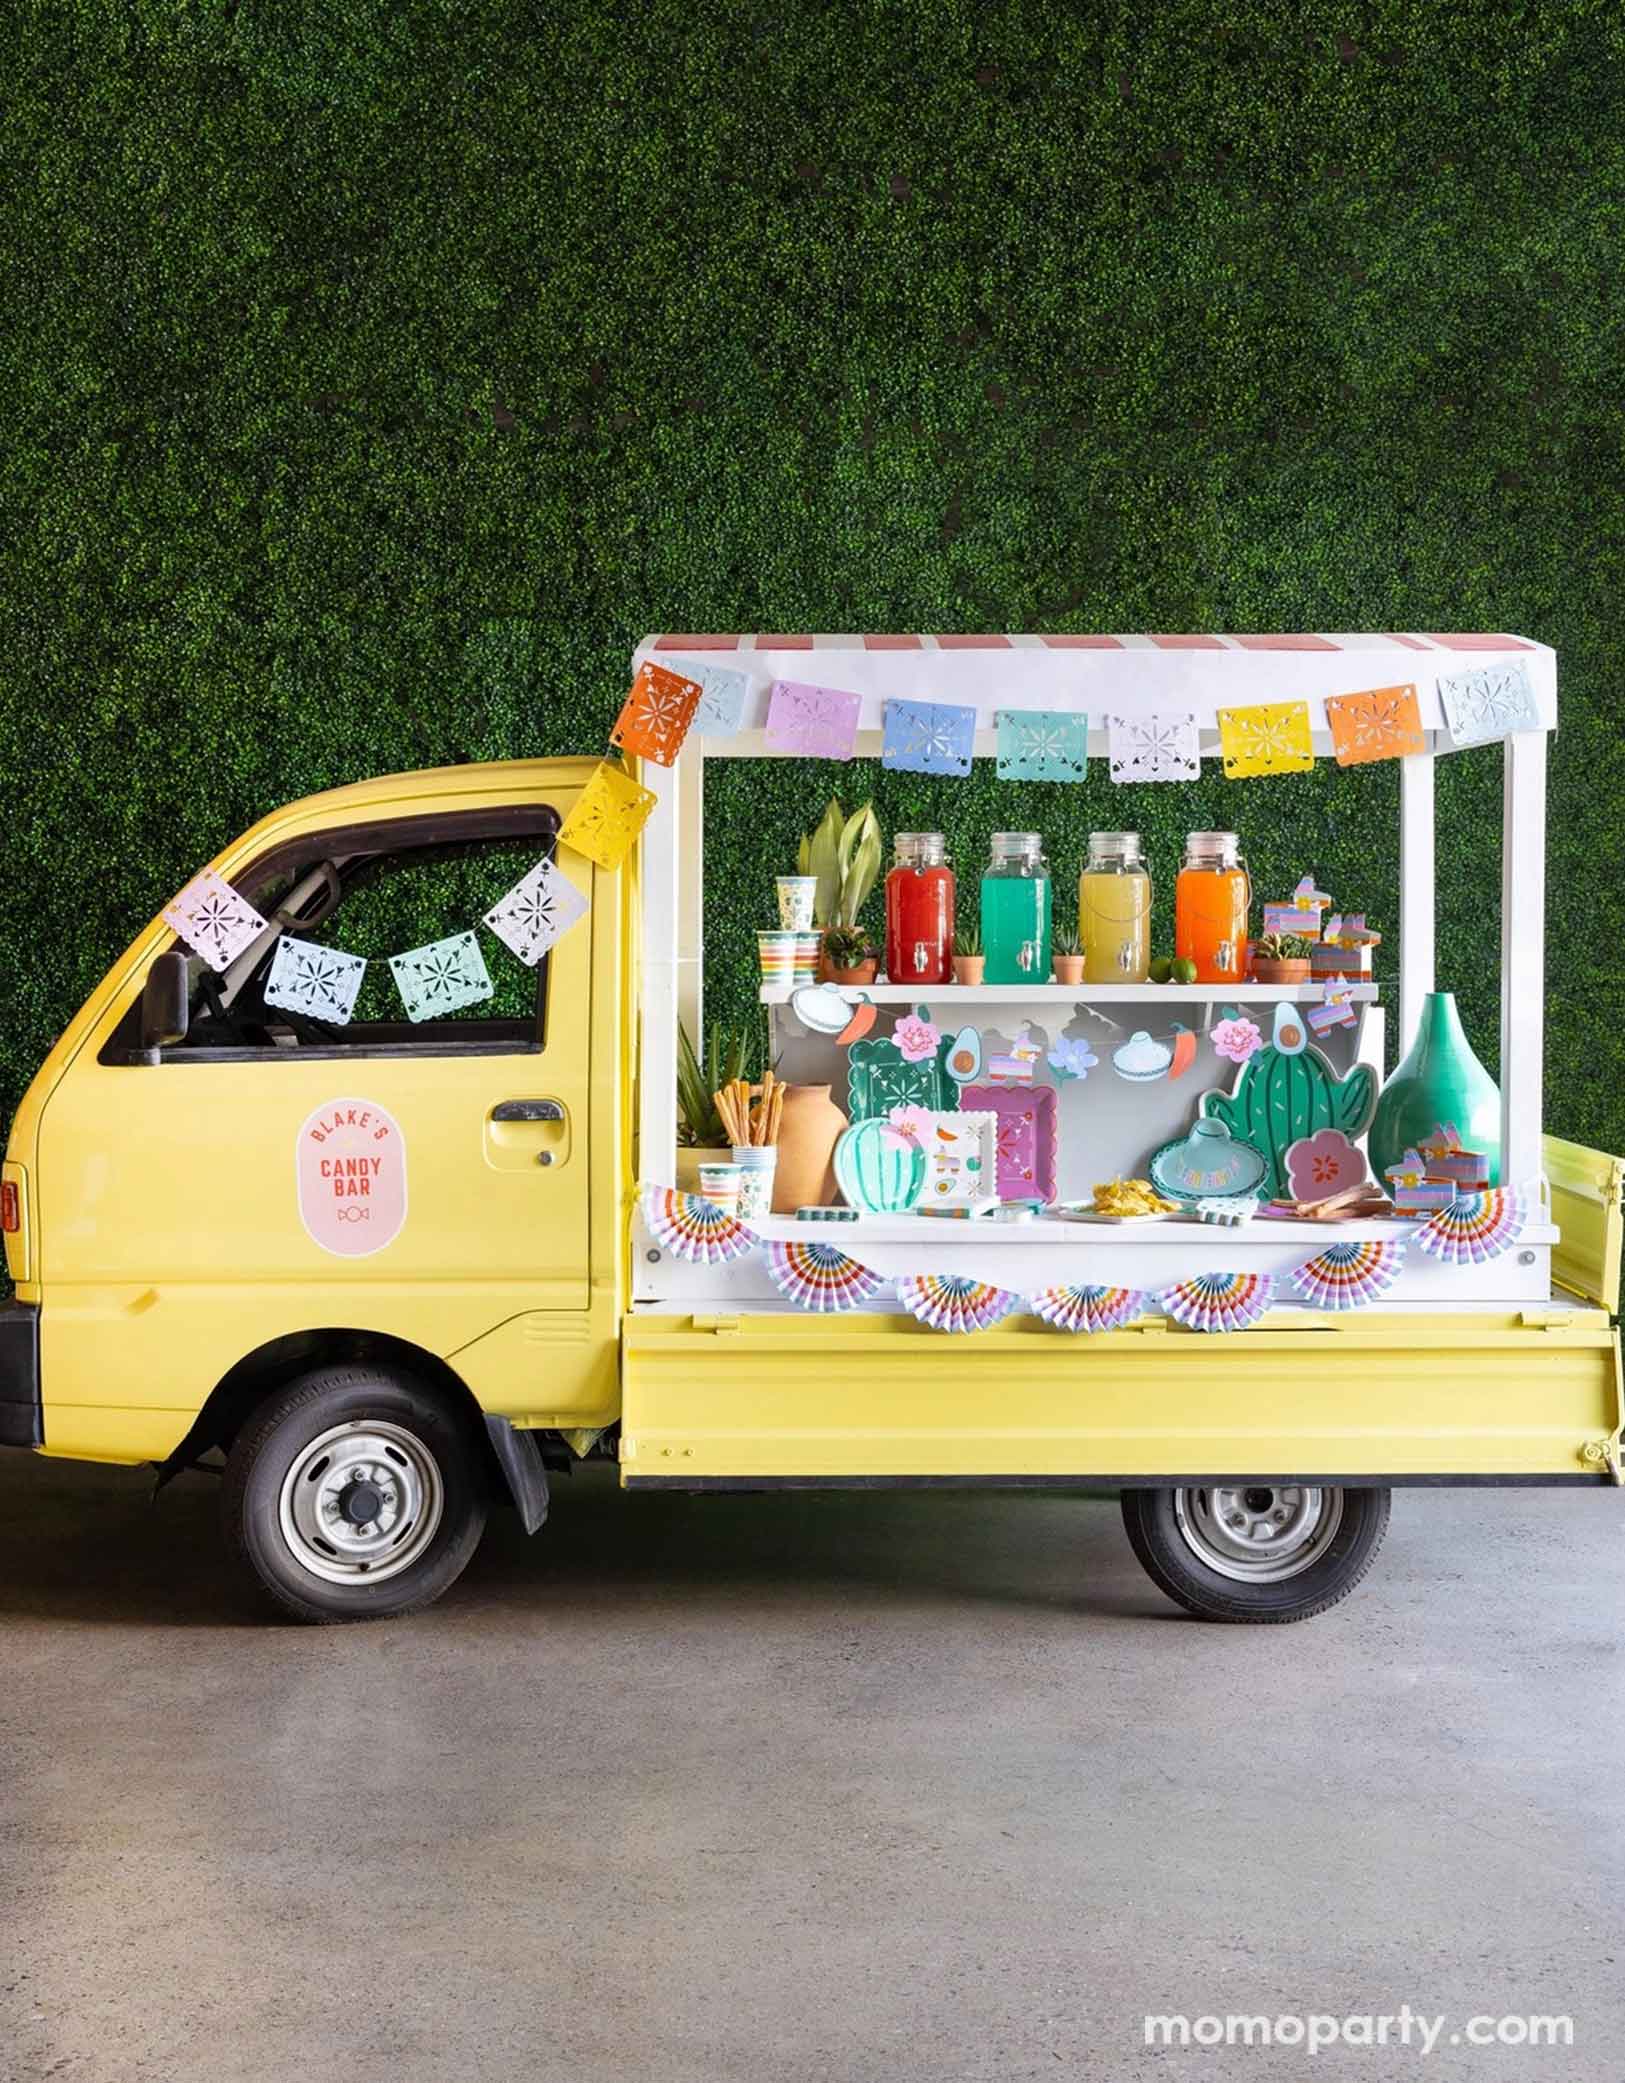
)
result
[(11, 1216)]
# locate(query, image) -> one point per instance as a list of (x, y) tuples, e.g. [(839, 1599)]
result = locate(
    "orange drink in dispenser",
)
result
[(1211, 901)]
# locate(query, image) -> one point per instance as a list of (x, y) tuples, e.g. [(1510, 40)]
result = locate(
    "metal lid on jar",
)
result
[(1212, 846)]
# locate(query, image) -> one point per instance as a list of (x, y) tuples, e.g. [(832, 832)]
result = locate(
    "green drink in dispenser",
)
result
[(1016, 910)]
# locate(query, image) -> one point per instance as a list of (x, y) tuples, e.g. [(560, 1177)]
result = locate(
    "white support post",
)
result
[(1523, 953), (690, 772), (660, 845), (1416, 904)]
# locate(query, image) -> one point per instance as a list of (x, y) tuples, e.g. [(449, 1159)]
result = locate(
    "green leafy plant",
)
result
[(1282, 947), (730, 1053), (844, 853), (1066, 941), (968, 941), (846, 947)]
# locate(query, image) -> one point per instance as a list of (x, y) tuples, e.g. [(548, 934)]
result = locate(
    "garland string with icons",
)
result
[(321, 983)]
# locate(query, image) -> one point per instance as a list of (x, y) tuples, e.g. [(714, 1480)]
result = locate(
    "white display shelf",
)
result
[(1176, 1232), (1079, 994)]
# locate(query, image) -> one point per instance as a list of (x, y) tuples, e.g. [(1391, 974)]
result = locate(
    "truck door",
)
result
[(273, 1172)]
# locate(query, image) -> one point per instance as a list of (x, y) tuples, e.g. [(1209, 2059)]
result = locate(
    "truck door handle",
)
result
[(527, 1110)]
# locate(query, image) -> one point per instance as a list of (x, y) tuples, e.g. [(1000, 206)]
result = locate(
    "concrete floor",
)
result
[(836, 1787)]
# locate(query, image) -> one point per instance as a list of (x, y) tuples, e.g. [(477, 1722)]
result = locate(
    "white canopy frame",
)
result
[(1101, 676)]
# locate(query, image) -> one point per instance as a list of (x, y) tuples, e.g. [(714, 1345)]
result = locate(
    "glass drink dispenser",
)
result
[(1016, 910), (1211, 900), (1114, 910), (920, 911)]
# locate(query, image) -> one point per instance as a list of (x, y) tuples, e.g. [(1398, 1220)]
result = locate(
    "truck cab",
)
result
[(212, 1202)]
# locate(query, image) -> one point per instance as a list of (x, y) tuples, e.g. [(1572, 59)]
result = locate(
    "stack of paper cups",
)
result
[(756, 1162), (807, 946), (796, 893), (777, 953), (719, 1183)]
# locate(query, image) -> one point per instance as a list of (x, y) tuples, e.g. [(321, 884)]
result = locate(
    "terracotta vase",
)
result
[(968, 968), (862, 973), (808, 1131), (1068, 969), (1294, 970)]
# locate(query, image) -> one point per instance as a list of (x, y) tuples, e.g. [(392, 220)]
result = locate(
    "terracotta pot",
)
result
[(968, 968), (864, 973), (1068, 969), (1293, 972), (691, 1156), (808, 1131)]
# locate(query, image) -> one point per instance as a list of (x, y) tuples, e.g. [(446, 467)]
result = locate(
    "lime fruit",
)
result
[(1183, 970)]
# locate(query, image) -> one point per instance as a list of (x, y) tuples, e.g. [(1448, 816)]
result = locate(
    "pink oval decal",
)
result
[(352, 1177)]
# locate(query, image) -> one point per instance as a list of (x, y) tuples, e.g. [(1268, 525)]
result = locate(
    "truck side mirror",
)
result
[(165, 1014)]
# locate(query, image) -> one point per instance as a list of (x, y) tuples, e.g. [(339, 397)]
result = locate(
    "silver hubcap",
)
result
[(361, 1503), (1258, 1532)]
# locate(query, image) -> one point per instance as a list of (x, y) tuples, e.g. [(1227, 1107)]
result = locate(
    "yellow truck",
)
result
[(394, 1270)]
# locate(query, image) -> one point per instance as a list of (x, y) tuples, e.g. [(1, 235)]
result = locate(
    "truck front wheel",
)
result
[(1256, 1551), (352, 1494)]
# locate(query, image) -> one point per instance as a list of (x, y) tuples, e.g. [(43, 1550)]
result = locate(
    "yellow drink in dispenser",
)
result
[(1114, 910)]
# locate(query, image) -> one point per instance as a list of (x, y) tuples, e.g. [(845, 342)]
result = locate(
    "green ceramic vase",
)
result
[(1439, 1080)]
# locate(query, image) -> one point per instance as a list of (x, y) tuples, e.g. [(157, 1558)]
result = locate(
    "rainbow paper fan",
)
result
[(1347, 1276), (1070, 1307), (820, 1276), (696, 1230), (1475, 1226), (1218, 1301), (950, 1302)]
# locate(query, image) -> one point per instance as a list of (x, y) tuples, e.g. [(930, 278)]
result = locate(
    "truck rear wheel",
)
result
[(352, 1494), (1256, 1551)]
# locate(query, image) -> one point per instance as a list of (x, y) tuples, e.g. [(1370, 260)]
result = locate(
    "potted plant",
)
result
[(1281, 958), (968, 956), (1067, 956), (844, 854), (848, 956), (730, 1054)]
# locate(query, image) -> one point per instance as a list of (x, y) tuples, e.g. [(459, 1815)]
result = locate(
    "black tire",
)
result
[(1172, 1553), (431, 1463)]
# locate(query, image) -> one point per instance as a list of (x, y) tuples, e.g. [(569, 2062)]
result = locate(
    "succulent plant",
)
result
[(968, 941), (844, 854), (847, 946), (1282, 947), (730, 1053)]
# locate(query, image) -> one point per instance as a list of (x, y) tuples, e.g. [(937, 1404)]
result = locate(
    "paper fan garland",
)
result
[(693, 1229), (1476, 1226), (1071, 1307), (1218, 1301), (820, 1276), (950, 1302), (1347, 1276)]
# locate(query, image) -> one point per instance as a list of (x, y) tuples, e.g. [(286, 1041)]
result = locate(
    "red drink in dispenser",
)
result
[(920, 911)]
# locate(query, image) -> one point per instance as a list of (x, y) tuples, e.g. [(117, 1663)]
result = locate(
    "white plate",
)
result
[(1073, 1213)]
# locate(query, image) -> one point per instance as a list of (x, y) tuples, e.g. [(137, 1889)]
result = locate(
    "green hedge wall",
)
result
[(384, 371)]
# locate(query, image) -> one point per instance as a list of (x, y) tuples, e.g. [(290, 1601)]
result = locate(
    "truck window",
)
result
[(374, 890)]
